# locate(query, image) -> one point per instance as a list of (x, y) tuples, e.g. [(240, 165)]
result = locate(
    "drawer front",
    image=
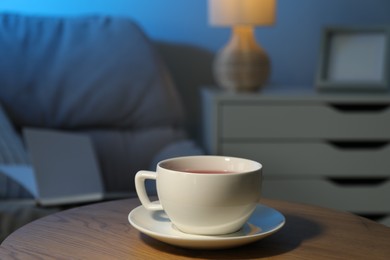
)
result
[(302, 121), (315, 158), (358, 199)]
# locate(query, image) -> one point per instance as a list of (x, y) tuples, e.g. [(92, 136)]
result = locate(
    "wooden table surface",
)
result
[(102, 231)]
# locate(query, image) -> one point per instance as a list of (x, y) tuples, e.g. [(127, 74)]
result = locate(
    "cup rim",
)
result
[(210, 157)]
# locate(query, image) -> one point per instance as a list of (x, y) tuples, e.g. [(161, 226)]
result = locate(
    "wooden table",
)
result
[(102, 231)]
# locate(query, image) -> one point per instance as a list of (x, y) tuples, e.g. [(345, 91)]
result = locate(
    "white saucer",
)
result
[(263, 222)]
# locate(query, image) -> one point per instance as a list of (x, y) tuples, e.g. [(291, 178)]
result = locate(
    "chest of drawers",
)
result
[(329, 150)]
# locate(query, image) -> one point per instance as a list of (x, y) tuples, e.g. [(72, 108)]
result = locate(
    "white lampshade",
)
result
[(241, 12)]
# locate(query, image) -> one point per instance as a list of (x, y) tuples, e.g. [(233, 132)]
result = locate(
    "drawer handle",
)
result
[(358, 181), (359, 144), (374, 217), (360, 107)]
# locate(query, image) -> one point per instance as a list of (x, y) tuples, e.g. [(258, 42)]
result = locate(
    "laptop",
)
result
[(65, 167)]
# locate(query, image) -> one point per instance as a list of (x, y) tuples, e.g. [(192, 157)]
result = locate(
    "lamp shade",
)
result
[(241, 12)]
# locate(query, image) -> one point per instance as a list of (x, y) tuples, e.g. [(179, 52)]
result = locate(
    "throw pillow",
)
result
[(12, 152)]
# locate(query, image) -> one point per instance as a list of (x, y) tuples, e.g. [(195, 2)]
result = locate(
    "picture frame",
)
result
[(354, 59)]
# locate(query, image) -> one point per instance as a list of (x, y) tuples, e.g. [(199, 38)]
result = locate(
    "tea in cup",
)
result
[(206, 195)]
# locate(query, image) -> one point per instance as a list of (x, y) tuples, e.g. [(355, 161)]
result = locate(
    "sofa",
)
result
[(100, 76)]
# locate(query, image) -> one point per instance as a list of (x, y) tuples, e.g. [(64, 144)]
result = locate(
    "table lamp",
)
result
[(242, 65)]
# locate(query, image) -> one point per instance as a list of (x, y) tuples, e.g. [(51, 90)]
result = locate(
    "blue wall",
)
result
[(187, 42)]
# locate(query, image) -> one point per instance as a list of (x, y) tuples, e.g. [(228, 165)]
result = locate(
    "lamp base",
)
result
[(242, 65)]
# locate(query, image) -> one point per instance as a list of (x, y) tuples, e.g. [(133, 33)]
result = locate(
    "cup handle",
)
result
[(140, 178)]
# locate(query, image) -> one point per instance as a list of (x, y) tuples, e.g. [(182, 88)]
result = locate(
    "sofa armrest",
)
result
[(184, 147)]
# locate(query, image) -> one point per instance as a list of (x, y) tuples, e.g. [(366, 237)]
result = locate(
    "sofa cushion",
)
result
[(122, 153), (16, 213), (83, 72)]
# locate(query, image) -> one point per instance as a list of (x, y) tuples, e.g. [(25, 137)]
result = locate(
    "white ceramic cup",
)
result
[(198, 198)]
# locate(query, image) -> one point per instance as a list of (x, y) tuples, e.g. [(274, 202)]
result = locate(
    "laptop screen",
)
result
[(65, 166)]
